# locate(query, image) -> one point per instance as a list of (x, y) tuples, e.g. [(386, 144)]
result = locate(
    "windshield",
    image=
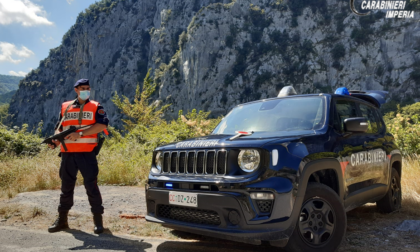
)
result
[(280, 115)]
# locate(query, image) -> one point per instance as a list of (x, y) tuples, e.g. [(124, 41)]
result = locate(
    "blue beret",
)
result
[(82, 82)]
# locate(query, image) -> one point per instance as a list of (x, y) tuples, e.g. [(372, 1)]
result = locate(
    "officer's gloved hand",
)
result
[(53, 146)]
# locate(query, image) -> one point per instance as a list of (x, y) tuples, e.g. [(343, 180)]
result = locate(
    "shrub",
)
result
[(297, 6), (224, 98), (256, 36), (361, 35), (415, 75), (258, 18), (406, 131), (262, 78), (229, 78), (380, 71), (306, 48), (366, 21), (296, 38), (229, 41), (3, 113), (379, 15), (18, 142), (337, 65), (338, 51), (340, 18), (183, 38), (364, 60), (264, 48)]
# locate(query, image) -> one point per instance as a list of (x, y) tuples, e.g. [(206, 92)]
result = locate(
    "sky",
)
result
[(30, 28)]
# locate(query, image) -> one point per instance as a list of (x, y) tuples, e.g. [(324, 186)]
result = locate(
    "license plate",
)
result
[(183, 199)]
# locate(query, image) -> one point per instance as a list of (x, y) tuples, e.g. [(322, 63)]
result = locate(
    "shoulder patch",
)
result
[(101, 112)]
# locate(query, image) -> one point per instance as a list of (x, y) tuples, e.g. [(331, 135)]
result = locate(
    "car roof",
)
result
[(285, 97), (359, 97)]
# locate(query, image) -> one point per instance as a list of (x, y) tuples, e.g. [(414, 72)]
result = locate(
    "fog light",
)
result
[(234, 217), (262, 196)]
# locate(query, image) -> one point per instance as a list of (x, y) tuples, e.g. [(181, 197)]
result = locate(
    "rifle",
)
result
[(61, 136)]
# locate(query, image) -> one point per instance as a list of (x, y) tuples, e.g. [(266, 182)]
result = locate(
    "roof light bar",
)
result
[(342, 91), (287, 91)]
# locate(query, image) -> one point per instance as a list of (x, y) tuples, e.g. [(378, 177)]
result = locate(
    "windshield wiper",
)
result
[(241, 133)]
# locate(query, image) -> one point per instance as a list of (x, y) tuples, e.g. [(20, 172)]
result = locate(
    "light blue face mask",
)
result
[(84, 95)]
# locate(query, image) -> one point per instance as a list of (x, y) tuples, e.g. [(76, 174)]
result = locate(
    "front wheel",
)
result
[(392, 200), (322, 223)]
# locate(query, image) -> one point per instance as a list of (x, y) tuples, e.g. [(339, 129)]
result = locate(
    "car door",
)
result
[(377, 161), (348, 145)]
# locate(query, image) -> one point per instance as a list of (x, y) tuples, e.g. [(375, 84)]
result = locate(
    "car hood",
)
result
[(255, 140)]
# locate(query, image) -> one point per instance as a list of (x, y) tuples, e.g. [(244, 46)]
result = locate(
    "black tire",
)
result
[(392, 200), (316, 231)]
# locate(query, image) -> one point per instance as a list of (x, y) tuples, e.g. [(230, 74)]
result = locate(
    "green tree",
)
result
[(140, 112), (3, 113)]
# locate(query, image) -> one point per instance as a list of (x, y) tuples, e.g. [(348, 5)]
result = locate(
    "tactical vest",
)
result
[(85, 143)]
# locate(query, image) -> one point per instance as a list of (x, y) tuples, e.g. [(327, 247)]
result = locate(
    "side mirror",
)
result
[(356, 124)]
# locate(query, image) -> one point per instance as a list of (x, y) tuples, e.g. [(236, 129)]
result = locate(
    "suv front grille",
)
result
[(202, 162), (191, 215)]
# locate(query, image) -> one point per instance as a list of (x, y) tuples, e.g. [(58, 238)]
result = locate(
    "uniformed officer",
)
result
[(80, 156)]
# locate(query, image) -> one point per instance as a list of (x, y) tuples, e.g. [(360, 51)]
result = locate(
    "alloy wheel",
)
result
[(317, 222)]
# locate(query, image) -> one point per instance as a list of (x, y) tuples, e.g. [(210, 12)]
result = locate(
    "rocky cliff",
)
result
[(214, 54)]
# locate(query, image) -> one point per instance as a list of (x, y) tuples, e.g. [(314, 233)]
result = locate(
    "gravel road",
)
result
[(116, 200), (367, 229), (24, 240)]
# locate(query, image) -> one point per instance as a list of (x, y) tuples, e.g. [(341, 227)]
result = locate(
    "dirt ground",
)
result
[(367, 229)]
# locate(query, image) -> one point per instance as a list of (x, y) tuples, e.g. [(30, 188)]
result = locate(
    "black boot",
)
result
[(60, 223), (97, 220)]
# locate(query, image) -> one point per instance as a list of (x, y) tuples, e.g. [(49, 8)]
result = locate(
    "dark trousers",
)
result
[(86, 163)]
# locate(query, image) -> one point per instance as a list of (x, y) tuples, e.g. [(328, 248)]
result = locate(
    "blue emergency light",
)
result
[(342, 91), (169, 185), (376, 97)]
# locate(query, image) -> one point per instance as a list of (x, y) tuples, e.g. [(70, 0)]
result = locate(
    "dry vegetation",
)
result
[(410, 183)]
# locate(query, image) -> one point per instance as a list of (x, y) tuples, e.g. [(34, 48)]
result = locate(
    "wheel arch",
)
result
[(396, 162), (315, 169)]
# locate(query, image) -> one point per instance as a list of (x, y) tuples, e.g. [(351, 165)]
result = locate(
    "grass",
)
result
[(410, 183), (20, 212), (27, 174), (118, 166)]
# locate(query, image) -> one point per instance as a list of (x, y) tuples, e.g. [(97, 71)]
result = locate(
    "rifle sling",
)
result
[(80, 113), (65, 113)]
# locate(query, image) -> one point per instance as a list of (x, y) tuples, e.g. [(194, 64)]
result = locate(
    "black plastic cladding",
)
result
[(200, 162), (208, 162), (189, 215)]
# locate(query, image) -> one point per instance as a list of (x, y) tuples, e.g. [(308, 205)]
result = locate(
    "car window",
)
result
[(278, 115), (369, 113), (345, 109), (380, 122)]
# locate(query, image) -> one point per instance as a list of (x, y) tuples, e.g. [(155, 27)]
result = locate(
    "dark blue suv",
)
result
[(284, 170)]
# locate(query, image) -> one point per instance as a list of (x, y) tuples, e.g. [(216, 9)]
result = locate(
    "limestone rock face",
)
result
[(215, 54)]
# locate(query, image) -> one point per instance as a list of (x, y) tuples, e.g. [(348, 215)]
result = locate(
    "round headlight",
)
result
[(158, 163), (249, 160)]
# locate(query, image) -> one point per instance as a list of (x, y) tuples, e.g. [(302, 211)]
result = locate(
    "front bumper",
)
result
[(239, 219)]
